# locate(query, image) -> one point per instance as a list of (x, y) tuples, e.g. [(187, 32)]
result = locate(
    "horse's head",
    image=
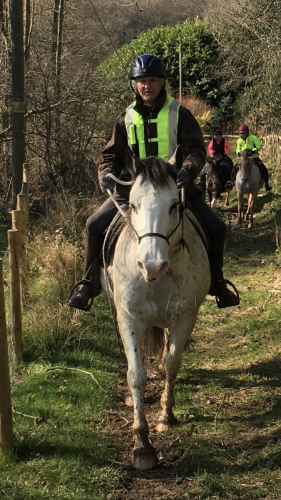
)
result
[(245, 164), (154, 200), (214, 173)]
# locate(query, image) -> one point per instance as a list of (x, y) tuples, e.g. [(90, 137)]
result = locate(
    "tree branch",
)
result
[(77, 370)]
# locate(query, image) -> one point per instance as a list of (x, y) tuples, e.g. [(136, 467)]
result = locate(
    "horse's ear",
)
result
[(177, 159), (132, 162)]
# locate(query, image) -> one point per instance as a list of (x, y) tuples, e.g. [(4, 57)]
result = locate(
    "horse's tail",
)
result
[(154, 342)]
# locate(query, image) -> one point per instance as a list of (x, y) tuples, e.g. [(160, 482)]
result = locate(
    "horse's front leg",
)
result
[(176, 342), (240, 207), (250, 210), (144, 455), (227, 197), (215, 198), (210, 196)]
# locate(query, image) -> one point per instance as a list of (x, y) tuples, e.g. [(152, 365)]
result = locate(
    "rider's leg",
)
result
[(216, 231), (95, 230), (233, 174), (229, 165), (263, 172)]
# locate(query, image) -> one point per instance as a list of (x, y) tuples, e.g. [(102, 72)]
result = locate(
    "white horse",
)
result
[(248, 182), (160, 275)]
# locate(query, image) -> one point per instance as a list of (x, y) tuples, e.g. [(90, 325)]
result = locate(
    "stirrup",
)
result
[(84, 281), (229, 185), (227, 282)]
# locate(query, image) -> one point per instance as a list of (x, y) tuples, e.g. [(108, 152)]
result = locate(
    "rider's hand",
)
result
[(182, 179), (106, 183)]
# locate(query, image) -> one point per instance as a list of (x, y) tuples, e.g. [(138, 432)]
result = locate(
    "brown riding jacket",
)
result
[(189, 136)]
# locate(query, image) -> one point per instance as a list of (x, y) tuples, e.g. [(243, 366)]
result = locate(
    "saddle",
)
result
[(112, 234)]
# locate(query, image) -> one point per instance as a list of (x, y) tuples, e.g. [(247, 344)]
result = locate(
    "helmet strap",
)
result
[(132, 87)]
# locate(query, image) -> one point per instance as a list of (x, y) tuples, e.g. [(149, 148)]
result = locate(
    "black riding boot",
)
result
[(230, 184), (91, 285), (224, 296), (263, 172)]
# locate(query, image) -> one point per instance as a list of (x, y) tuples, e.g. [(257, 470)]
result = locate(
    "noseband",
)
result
[(159, 235)]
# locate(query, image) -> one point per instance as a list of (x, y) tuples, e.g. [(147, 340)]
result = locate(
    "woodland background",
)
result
[(77, 59)]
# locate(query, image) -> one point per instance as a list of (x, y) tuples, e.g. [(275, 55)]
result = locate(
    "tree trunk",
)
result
[(18, 143)]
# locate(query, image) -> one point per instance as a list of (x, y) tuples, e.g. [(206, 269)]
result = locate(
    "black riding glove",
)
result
[(182, 179), (106, 183)]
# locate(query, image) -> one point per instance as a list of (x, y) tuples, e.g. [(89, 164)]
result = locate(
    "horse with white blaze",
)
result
[(160, 275)]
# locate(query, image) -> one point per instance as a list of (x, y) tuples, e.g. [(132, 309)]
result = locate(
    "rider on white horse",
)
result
[(250, 142), (153, 125)]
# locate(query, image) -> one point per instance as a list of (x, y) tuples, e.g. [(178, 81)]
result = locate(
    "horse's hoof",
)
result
[(165, 424), (162, 427), (129, 401), (144, 458)]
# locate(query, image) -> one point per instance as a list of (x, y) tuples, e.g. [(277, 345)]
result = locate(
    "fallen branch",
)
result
[(77, 370), (179, 459), (36, 419)]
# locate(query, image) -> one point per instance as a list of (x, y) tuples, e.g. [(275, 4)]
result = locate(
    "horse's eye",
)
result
[(133, 207), (174, 205)]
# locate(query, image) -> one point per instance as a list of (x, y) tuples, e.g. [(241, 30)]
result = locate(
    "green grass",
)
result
[(3, 239), (73, 434)]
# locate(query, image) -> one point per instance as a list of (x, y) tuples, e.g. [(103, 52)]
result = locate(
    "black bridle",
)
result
[(159, 235)]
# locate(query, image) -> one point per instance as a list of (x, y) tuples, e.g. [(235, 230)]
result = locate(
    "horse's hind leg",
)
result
[(172, 364), (144, 455)]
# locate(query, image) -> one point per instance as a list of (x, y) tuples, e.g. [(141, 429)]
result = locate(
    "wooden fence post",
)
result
[(25, 187), (19, 223), (6, 420), (15, 296), (21, 205)]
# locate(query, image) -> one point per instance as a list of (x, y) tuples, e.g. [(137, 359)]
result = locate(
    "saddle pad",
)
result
[(112, 234)]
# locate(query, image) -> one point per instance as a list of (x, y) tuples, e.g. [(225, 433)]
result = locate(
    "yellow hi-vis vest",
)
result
[(166, 124)]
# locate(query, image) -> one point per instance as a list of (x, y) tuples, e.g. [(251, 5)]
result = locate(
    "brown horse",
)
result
[(217, 175)]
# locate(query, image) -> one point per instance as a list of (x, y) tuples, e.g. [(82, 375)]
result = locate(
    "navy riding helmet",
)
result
[(147, 65)]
